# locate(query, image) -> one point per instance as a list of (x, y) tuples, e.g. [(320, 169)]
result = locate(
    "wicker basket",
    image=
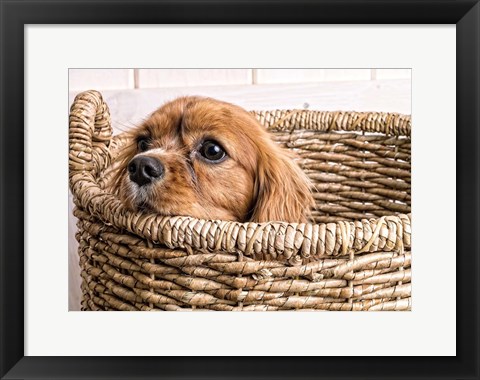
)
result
[(354, 255)]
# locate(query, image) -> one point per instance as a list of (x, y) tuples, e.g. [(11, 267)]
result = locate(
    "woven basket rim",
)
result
[(387, 123), (91, 140)]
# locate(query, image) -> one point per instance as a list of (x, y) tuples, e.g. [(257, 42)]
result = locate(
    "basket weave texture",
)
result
[(354, 255)]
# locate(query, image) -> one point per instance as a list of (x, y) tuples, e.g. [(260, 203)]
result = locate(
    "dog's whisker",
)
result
[(124, 125)]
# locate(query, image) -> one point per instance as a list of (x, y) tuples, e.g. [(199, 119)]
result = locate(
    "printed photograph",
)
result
[(251, 189)]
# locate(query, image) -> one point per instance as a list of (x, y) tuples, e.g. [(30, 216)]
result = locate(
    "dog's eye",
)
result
[(212, 151), (142, 145)]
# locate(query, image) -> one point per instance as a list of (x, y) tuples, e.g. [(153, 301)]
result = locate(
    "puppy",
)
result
[(209, 159)]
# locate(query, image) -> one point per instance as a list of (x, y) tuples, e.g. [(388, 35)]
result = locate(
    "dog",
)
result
[(209, 159)]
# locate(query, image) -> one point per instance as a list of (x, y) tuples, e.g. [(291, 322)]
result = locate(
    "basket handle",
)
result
[(90, 133)]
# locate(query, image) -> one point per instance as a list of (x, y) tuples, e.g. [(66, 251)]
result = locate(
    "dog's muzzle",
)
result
[(144, 170)]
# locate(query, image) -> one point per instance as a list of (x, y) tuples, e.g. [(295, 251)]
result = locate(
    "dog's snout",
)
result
[(144, 170)]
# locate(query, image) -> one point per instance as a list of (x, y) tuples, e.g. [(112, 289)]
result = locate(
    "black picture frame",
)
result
[(16, 14)]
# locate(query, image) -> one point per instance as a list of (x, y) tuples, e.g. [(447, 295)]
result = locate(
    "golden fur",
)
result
[(256, 181)]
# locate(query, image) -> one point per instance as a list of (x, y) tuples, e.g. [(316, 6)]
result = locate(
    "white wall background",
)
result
[(122, 79), (132, 94)]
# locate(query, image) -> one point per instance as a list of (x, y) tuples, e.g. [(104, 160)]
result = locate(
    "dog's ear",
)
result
[(282, 190)]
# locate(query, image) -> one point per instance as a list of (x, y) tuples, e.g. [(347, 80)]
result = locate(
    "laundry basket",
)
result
[(355, 254)]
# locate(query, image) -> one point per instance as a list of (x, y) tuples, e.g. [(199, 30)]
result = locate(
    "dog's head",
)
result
[(209, 159)]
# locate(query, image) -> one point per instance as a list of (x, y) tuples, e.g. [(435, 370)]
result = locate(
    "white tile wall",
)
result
[(310, 75), (117, 79), (155, 78), (100, 79)]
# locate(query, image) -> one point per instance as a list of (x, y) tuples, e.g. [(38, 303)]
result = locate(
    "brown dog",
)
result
[(209, 159)]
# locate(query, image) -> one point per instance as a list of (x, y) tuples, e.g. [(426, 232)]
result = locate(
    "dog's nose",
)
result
[(144, 170)]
